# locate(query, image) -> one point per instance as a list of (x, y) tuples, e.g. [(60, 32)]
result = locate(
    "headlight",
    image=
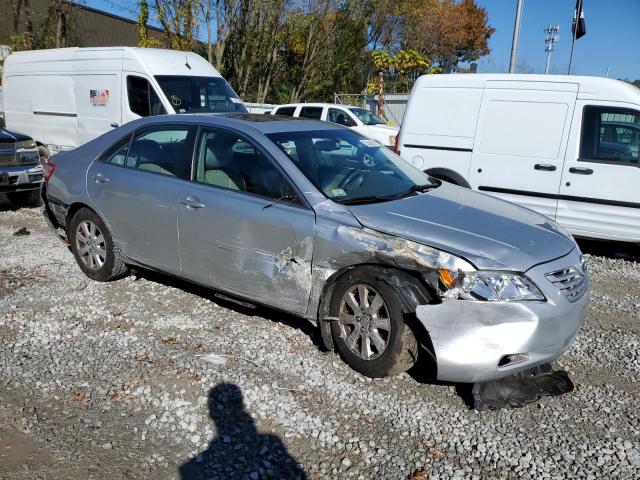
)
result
[(25, 144), (492, 286)]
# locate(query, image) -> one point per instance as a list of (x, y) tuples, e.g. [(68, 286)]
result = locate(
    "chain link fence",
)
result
[(394, 107)]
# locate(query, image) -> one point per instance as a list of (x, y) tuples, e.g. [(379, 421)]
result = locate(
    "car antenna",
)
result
[(186, 62)]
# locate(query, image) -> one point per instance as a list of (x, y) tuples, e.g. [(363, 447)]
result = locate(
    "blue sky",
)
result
[(612, 40)]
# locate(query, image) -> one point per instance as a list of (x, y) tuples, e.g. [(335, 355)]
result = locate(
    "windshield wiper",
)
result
[(368, 199), (423, 187)]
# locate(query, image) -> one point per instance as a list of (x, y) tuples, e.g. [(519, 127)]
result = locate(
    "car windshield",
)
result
[(366, 117), (349, 168), (200, 94)]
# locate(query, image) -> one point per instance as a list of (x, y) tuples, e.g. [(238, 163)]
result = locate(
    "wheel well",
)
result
[(409, 285), (73, 208), (448, 176)]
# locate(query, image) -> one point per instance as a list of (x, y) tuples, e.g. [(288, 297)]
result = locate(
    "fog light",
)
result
[(512, 359)]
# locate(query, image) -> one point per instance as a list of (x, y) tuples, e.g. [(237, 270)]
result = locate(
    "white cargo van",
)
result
[(566, 146), (66, 97)]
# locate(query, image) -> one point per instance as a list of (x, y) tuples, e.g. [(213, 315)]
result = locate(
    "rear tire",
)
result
[(93, 247), (371, 334)]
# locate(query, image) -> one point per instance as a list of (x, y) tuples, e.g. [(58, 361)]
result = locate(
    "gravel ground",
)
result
[(149, 377)]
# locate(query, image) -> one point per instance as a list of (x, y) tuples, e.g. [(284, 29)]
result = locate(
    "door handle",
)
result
[(545, 167), (99, 178), (192, 202), (581, 170), (114, 125)]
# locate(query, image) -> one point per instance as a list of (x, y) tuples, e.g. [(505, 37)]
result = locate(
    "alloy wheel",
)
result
[(364, 321), (91, 246)]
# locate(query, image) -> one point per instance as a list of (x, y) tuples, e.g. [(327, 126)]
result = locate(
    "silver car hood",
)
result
[(490, 233)]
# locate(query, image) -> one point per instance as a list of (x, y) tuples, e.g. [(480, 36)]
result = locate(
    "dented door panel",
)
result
[(248, 246)]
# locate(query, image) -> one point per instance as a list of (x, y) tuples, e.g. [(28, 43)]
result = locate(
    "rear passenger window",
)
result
[(610, 135), (118, 153), (143, 99), (166, 150), (286, 111), (224, 159), (311, 112)]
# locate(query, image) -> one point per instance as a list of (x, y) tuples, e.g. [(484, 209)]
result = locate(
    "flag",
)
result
[(578, 26)]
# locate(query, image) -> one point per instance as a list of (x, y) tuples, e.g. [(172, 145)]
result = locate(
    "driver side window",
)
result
[(340, 117), (610, 135), (143, 99)]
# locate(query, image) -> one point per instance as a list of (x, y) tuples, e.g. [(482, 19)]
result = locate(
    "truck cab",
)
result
[(565, 146)]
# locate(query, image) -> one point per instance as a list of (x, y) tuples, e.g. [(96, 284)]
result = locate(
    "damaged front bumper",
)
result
[(478, 341)]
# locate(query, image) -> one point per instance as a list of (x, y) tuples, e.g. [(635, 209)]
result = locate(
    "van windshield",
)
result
[(200, 94)]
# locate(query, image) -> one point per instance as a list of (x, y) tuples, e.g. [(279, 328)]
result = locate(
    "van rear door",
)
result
[(521, 141)]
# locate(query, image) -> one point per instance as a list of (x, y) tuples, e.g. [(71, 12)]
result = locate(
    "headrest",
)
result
[(145, 150)]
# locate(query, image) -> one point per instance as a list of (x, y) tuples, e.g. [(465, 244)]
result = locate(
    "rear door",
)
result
[(599, 191), (243, 227), (137, 186), (520, 142)]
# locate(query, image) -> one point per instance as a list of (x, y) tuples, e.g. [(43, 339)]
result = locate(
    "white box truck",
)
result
[(565, 146), (65, 97)]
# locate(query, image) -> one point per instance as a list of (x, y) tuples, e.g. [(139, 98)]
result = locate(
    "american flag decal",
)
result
[(99, 98)]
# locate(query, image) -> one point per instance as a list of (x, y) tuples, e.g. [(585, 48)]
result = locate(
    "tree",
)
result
[(179, 20), (144, 40), (449, 32)]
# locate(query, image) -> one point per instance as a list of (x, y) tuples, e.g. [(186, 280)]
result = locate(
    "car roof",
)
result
[(315, 104), (256, 121)]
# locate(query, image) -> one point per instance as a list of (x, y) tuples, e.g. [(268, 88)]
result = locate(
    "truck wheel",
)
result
[(93, 247), (370, 332), (30, 198)]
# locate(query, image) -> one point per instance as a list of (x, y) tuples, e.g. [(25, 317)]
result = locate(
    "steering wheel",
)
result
[(351, 177)]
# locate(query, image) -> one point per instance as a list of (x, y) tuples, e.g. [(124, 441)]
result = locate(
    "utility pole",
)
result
[(516, 36), (551, 39)]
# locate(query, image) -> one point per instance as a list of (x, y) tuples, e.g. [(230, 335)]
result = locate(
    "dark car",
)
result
[(20, 170)]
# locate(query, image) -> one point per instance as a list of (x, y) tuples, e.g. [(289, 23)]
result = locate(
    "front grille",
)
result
[(570, 281), (11, 145), (9, 159)]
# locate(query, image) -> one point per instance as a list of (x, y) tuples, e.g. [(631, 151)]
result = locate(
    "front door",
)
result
[(520, 143), (136, 187), (599, 191), (243, 228)]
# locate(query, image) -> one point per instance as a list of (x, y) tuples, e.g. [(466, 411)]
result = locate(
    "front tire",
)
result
[(93, 247), (371, 334)]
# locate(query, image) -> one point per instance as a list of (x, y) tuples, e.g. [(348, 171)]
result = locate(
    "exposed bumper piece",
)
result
[(521, 389), (475, 341)]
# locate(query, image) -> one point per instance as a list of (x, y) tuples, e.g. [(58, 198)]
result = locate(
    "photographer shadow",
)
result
[(239, 451)]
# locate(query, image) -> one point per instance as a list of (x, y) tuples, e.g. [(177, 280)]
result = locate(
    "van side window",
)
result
[(610, 135), (143, 99), (311, 112), (224, 159), (286, 111)]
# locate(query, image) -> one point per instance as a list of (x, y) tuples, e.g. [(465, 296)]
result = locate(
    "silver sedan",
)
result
[(316, 220)]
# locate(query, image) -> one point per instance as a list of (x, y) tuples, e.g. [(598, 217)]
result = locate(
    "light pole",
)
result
[(551, 39), (516, 35)]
